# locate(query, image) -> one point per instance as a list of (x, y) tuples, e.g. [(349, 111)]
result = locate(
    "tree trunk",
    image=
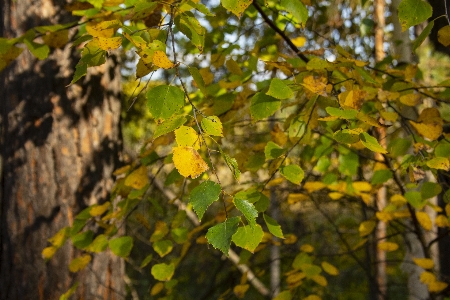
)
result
[(59, 146)]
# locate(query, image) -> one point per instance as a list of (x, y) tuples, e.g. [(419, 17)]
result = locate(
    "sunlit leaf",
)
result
[(219, 236), (138, 178), (248, 237), (186, 136), (297, 9), (444, 35), (163, 247), (427, 277), (413, 12), (437, 286), (293, 173), (273, 226), (188, 162), (279, 89), (164, 101), (429, 124), (237, 7), (169, 125), (424, 220), (109, 43), (273, 151), (299, 41), (161, 60), (371, 143), (440, 163), (203, 195), (99, 244), (212, 126), (163, 272), (247, 209)]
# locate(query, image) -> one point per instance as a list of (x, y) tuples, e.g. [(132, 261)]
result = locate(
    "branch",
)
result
[(280, 32), (232, 256)]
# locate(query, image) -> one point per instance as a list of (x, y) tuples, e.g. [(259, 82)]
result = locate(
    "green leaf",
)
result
[(198, 79), (66, 295), (422, 36), (278, 89), (237, 7), (80, 71), (179, 235), (381, 176), (297, 9), (348, 163), (284, 295), (371, 143), (413, 12), (430, 190), (121, 246), (163, 247), (247, 209), (41, 51), (83, 239), (219, 236), (310, 270), (399, 147), (146, 261), (263, 106), (442, 150), (293, 173), (212, 126), (169, 125), (188, 24), (164, 101), (301, 259), (273, 151), (232, 164), (347, 136), (248, 237), (203, 195), (415, 199), (163, 272), (342, 113), (99, 244), (273, 226)]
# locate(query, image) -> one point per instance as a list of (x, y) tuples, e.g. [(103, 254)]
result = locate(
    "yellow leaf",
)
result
[(307, 248), (384, 96), (56, 39), (48, 252), (319, 279), (299, 41), (362, 186), (138, 178), (335, 195), (442, 221), (187, 137), (367, 227), (240, 290), (410, 99), (424, 220), (312, 297), (427, 277), (161, 60), (295, 277), (389, 116), (437, 286), (79, 263), (290, 239), (143, 68), (429, 124), (387, 246), (104, 29), (188, 162), (313, 186), (99, 209), (108, 43), (398, 200), (294, 198), (278, 135), (157, 288), (444, 35), (426, 263), (316, 85), (384, 216), (441, 163), (352, 99), (330, 269)]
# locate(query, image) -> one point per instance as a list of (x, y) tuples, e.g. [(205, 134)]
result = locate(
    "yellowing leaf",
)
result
[(362, 186), (187, 137), (319, 279), (161, 60), (427, 277), (437, 286), (313, 186), (387, 246), (48, 252), (188, 162), (444, 35), (384, 216), (398, 200), (79, 263), (316, 85), (99, 209), (299, 41), (312, 297), (441, 163), (138, 178), (424, 220), (104, 29), (426, 263), (307, 248), (442, 221), (367, 227), (294, 198), (240, 290), (212, 126), (330, 269), (410, 99), (109, 43), (352, 99), (157, 288), (295, 277), (429, 124)]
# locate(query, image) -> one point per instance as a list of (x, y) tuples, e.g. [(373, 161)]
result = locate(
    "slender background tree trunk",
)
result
[(59, 147)]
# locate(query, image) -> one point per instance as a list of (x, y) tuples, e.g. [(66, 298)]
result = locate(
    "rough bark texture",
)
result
[(59, 146)]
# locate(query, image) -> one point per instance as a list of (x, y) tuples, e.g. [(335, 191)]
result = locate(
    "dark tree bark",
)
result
[(59, 146), (438, 11)]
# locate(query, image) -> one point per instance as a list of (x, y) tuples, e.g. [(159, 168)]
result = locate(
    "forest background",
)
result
[(220, 150)]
